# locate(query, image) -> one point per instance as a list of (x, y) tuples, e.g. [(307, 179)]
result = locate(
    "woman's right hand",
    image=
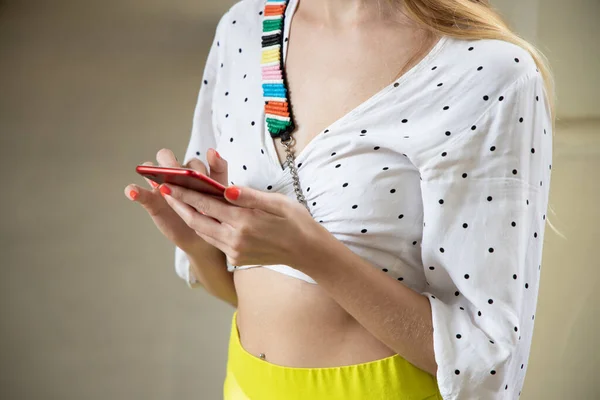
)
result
[(165, 219)]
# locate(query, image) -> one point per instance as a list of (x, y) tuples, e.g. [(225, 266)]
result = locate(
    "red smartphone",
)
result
[(185, 177)]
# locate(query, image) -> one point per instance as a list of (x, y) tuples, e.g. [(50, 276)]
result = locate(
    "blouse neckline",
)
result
[(394, 85)]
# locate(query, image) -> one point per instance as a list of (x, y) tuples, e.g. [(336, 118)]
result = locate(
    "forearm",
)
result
[(395, 314), (208, 265)]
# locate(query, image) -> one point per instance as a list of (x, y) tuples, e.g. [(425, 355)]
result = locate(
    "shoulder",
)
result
[(240, 26), (473, 77), (467, 81), (486, 64)]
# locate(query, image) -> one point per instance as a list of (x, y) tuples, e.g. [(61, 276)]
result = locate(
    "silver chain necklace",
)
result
[(291, 163)]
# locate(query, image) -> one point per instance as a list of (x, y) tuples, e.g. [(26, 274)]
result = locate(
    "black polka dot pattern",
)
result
[(450, 181), (498, 222)]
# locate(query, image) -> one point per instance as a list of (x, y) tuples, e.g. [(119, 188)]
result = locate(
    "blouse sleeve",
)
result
[(204, 133), (484, 207)]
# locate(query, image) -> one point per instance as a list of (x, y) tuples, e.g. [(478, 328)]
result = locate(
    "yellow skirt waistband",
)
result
[(391, 378)]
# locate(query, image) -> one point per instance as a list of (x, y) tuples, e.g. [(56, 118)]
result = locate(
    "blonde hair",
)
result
[(475, 19)]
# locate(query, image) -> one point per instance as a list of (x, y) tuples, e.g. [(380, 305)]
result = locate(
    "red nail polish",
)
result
[(154, 184), (165, 189), (232, 192), (133, 194), (217, 154)]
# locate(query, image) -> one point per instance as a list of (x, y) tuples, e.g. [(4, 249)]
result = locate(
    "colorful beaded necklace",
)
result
[(277, 110), (278, 114)]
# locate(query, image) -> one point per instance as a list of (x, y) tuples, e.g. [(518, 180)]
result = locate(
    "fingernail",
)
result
[(232, 192), (154, 184), (218, 155), (133, 194), (165, 189)]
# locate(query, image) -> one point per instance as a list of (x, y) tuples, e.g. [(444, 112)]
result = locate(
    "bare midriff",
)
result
[(296, 324), (292, 322)]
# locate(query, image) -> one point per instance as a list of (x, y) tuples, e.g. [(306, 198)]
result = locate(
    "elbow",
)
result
[(227, 296)]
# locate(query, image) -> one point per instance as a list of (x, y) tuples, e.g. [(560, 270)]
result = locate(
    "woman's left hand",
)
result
[(251, 227)]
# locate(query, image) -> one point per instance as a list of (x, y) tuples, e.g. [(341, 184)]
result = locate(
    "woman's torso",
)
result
[(363, 138), (291, 321)]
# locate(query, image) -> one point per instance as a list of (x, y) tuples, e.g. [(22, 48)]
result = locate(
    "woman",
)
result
[(388, 170)]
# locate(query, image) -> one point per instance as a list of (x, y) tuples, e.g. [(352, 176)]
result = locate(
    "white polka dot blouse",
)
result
[(440, 180)]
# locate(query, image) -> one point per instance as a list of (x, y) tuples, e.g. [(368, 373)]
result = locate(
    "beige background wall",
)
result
[(522, 15), (568, 33), (571, 33), (90, 307)]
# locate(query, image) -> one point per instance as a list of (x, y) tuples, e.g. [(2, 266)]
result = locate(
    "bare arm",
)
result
[(395, 314), (208, 266)]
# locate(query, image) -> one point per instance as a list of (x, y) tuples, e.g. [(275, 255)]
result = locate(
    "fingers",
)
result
[(204, 204), (150, 182), (166, 158), (191, 216), (151, 201), (132, 192), (218, 167), (273, 203), (197, 165), (214, 242)]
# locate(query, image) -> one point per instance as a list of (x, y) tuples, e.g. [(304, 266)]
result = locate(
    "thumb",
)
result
[(248, 197), (196, 165)]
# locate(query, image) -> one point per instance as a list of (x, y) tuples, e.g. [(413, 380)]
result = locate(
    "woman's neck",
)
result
[(350, 12)]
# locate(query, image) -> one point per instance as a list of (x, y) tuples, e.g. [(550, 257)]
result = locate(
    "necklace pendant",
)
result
[(285, 136), (261, 356)]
